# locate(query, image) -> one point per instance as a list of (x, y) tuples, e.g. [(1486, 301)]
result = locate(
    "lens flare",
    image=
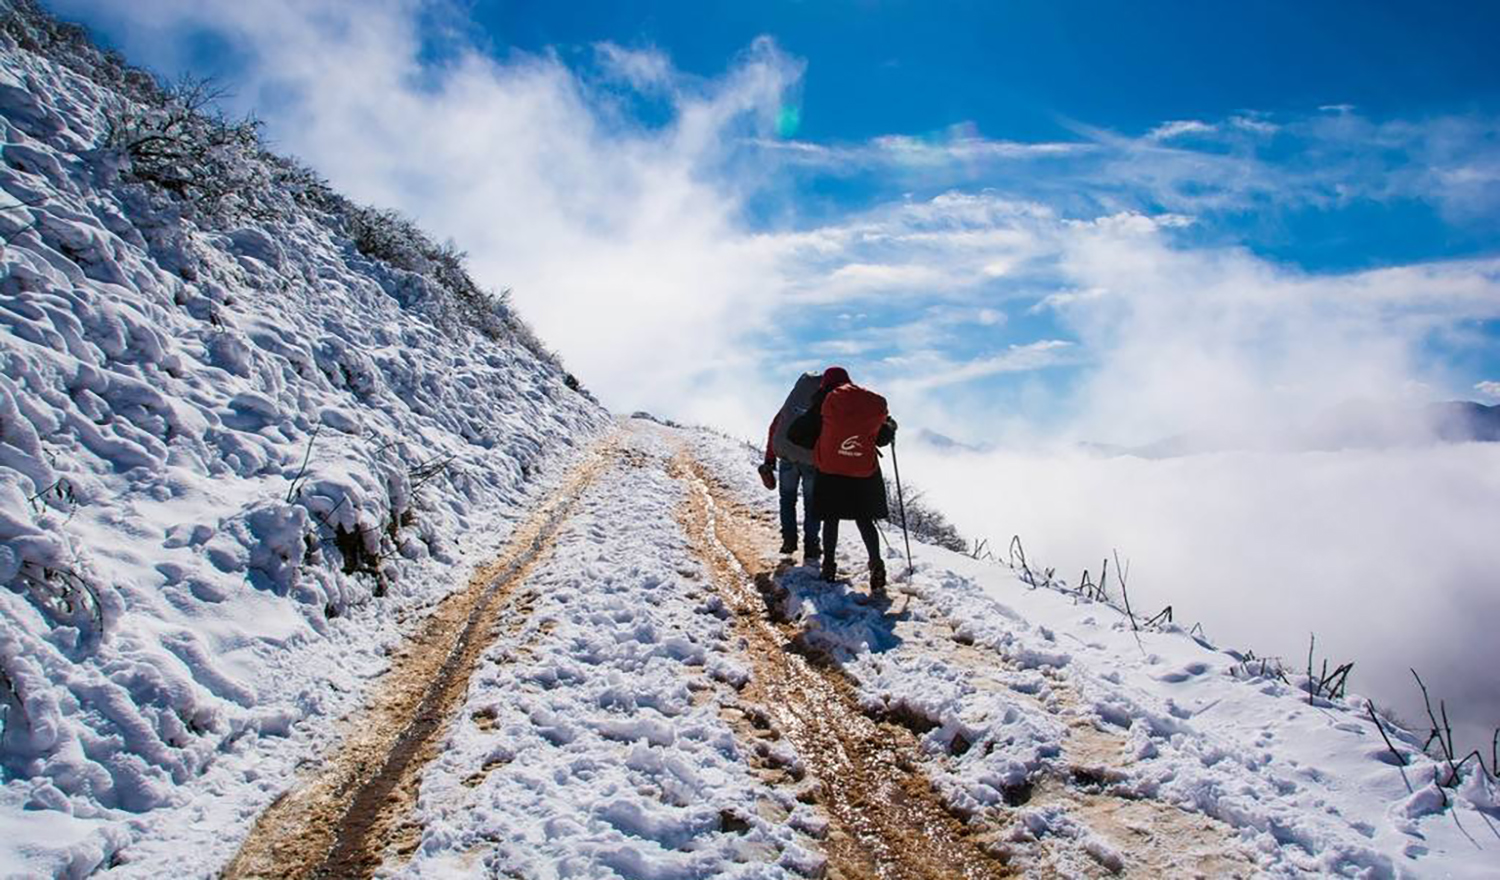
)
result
[(788, 120)]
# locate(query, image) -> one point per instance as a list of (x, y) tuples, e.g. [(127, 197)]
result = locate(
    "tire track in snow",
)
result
[(886, 820), (340, 822)]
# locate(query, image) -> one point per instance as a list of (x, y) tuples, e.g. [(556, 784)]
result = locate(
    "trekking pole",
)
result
[(901, 502)]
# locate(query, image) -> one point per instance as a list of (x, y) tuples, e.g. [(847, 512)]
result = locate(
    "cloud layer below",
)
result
[(1387, 555)]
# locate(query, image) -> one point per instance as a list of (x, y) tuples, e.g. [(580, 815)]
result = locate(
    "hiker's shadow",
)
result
[(834, 622)]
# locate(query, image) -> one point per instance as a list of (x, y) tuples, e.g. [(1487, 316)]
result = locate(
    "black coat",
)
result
[(836, 496)]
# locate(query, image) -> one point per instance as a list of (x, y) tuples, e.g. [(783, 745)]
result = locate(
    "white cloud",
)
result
[(1488, 389), (860, 278), (914, 154), (1015, 359), (904, 148), (1224, 341), (647, 70), (1065, 299), (1254, 123), (1172, 339), (623, 245), (1178, 128)]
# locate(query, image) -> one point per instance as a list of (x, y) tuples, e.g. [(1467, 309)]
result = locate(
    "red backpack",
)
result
[(852, 416)]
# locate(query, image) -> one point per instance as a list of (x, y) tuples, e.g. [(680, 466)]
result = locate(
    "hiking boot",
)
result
[(814, 555), (877, 576), (830, 571), (788, 546)]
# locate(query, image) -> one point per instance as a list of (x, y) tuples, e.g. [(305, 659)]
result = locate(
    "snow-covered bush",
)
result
[(182, 144)]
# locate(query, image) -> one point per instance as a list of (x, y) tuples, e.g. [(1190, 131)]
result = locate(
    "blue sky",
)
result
[(1019, 70), (1115, 221)]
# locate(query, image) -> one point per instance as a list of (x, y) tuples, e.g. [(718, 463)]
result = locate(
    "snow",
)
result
[(1311, 788), (180, 595), (601, 747)]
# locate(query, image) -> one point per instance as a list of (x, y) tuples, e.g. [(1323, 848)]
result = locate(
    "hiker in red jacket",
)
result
[(843, 425)]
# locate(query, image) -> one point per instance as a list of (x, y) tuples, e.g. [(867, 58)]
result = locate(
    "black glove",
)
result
[(767, 472)]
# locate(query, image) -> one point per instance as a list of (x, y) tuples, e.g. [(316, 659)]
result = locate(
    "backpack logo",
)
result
[(851, 447)]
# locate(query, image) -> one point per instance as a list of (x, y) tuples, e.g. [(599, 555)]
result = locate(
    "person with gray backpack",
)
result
[(793, 464)]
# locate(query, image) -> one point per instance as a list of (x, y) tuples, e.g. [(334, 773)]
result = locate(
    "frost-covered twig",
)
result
[(1442, 733), (14, 698), (1085, 587), (1121, 573), (427, 470), (291, 492), (60, 489), (1473, 753), (62, 592), (96, 603), (1268, 667), (1018, 551), (1312, 640), (1400, 758)]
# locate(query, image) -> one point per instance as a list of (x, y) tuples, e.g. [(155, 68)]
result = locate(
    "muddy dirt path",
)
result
[(885, 819), (351, 811)]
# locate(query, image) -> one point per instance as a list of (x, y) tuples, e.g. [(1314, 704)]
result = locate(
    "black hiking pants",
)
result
[(867, 533)]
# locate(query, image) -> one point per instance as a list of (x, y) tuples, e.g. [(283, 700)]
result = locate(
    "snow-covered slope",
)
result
[(1098, 736), (232, 454)]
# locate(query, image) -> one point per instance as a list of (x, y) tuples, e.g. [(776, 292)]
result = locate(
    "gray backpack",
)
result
[(796, 404)]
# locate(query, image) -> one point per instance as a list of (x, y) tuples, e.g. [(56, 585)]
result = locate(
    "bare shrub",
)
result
[(183, 144), (924, 521), (1330, 685)]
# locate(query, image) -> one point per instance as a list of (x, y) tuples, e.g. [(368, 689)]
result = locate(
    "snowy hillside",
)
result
[(236, 453)]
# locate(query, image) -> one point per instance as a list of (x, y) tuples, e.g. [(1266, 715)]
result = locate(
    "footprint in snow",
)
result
[(1177, 676)]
